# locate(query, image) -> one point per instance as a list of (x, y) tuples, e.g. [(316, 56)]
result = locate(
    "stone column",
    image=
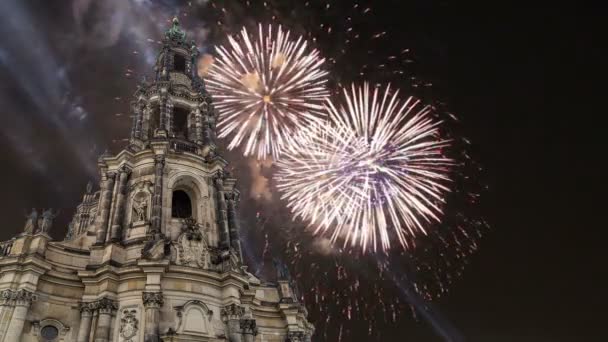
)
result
[(157, 199), (248, 329), (105, 207), (162, 130), (21, 300), (139, 115), (207, 135), (86, 315), (135, 109), (169, 117), (231, 315), (235, 241), (153, 301), (120, 203), (106, 308), (222, 213), (145, 124), (198, 127)]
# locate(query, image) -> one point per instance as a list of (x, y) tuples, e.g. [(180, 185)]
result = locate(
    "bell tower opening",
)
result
[(181, 206), (154, 119), (179, 63), (180, 122)]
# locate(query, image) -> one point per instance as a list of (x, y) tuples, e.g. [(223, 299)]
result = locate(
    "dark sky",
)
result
[(517, 76)]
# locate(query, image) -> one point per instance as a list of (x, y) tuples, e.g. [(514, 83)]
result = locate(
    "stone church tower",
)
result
[(155, 255)]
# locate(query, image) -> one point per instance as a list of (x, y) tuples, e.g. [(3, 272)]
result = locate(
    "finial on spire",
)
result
[(175, 32)]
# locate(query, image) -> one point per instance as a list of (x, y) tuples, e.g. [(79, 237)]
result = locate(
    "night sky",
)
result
[(516, 77)]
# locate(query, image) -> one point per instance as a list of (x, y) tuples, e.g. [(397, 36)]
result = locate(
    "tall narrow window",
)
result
[(154, 119), (180, 122), (179, 63), (181, 205)]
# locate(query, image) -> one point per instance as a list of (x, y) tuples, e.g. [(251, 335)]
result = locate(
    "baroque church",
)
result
[(155, 255)]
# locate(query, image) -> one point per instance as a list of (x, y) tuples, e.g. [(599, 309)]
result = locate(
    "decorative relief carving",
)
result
[(232, 311), (140, 205), (249, 326), (129, 325), (87, 308), (106, 305), (17, 297), (192, 247), (153, 299), (295, 336)]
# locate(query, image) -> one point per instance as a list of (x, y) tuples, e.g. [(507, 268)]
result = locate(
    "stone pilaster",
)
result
[(233, 223), (120, 203), (222, 213), (86, 315), (145, 125), (161, 130), (159, 164), (198, 127), (106, 201), (231, 315), (139, 115), (135, 109), (249, 329), (207, 135), (153, 301), (21, 300), (106, 308)]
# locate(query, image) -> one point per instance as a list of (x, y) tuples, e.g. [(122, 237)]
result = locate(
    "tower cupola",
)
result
[(176, 105)]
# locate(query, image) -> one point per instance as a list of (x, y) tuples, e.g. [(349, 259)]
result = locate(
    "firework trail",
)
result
[(378, 166), (265, 87)]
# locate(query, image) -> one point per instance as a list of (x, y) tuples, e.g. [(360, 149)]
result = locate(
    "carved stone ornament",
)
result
[(17, 297), (249, 327), (153, 299), (140, 206), (232, 311), (192, 247), (295, 336), (129, 325), (155, 249), (87, 308), (106, 305)]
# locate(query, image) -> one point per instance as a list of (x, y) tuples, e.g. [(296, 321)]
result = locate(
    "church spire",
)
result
[(175, 106)]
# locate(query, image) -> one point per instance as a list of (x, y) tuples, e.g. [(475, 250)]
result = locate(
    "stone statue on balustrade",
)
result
[(31, 222), (46, 221)]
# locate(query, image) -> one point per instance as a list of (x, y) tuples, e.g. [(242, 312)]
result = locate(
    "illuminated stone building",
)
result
[(155, 255)]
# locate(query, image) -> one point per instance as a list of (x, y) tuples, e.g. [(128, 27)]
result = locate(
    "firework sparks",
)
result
[(379, 167), (265, 87)]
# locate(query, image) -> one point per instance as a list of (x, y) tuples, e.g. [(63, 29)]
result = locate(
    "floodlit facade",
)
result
[(155, 255)]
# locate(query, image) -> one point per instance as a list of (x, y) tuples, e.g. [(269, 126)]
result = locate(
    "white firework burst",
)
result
[(377, 165), (266, 87)]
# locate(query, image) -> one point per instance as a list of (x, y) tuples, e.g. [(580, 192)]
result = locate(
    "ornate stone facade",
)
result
[(155, 254)]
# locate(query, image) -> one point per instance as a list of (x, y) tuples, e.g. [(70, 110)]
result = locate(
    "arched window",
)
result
[(179, 63), (181, 205), (180, 122)]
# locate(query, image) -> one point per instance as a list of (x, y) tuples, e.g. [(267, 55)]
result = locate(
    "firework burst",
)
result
[(265, 87), (378, 167)]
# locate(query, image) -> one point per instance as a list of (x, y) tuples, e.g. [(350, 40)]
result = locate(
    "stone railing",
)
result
[(6, 247), (184, 146)]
